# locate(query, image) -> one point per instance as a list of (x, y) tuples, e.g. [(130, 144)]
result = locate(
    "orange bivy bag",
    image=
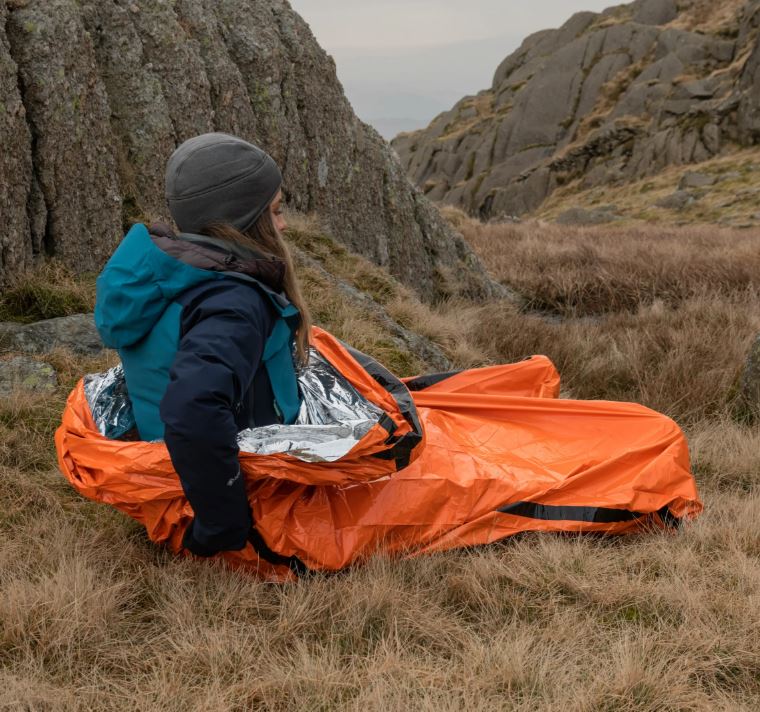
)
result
[(406, 466)]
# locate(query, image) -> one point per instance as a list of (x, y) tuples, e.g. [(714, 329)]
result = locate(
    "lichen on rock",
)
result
[(22, 373)]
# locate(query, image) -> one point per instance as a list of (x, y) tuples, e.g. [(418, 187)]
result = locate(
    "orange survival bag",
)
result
[(379, 464)]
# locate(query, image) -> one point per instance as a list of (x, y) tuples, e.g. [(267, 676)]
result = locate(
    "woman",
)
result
[(207, 322), (210, 325)]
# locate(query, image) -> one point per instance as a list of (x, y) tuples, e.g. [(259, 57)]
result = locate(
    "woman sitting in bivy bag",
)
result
[(234, 428)]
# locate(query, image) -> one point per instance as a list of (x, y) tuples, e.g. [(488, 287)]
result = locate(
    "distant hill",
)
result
[(606, 100)]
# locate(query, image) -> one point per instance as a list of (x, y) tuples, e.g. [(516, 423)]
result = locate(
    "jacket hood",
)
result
[(151, 268)]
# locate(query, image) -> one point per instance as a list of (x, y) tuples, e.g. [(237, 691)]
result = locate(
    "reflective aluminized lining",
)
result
[(109, 402), (333, 418), (328, 398), (310, 443)]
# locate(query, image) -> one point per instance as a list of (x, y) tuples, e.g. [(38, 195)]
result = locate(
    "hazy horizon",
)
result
[(398, 79)]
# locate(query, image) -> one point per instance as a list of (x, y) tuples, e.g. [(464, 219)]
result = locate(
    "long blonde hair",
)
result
[(265, 239)]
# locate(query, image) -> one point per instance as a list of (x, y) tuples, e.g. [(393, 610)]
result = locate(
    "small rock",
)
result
[(676, 201), (582, 216), (678, 107), (692, 179), (22, 373), (711, 138), (750, 381), (504, 219), (76, 333), (698, 90)]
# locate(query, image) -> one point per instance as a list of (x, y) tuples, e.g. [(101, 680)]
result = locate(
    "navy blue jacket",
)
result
[(194, 324), (218, 386)]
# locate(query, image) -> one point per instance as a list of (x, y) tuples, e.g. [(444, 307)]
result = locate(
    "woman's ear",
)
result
[(278, 218)]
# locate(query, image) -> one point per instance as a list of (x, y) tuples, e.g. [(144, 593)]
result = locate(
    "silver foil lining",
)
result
[(109, 403), (332, 420)]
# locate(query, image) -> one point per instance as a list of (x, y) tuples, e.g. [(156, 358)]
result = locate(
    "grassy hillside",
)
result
[(732, 200), (93, 616)]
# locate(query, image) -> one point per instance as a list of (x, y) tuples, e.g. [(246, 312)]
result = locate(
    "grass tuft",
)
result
[(49, 291)]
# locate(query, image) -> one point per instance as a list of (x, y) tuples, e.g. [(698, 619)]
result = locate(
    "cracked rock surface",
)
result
[(94, 96), (77, 333)]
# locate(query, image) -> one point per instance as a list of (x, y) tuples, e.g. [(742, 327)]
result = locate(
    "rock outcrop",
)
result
[(95, 95), (404, 339), (76, 333), (607, 98)]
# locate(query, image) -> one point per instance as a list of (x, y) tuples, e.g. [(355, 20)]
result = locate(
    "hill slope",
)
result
[(606, 99), (94, 96)]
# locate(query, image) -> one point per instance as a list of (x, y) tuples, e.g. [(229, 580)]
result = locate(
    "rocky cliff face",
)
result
[(607, 98), (95, 95)]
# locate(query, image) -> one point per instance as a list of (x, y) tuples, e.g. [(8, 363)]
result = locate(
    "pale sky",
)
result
[(402, 62)]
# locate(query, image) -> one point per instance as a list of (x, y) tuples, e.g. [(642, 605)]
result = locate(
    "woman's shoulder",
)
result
[(227, 299)]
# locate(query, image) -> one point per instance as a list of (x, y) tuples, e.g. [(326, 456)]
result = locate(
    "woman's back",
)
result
[(157, 288)]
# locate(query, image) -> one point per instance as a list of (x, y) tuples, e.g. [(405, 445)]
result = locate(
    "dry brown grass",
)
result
[(709, 17), (684, 362), (662, 316), (574, 272), (93, 617), (48, 291)]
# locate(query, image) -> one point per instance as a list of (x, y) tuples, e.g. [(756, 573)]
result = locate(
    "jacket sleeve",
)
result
[(222, 340)]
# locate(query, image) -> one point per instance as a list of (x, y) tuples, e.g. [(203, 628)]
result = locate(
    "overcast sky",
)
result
[(404, 61)]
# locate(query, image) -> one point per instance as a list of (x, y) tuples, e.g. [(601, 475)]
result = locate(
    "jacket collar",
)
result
[(217, 255)]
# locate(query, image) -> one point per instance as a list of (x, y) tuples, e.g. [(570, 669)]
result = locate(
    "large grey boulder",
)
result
[(15, 164), (655, 12), (607, 98), (749, 106), (95, 96), (24, 374), (76, 333), (68, 116)]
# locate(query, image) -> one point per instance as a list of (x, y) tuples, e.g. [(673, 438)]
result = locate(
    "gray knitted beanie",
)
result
[(220, 178)]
